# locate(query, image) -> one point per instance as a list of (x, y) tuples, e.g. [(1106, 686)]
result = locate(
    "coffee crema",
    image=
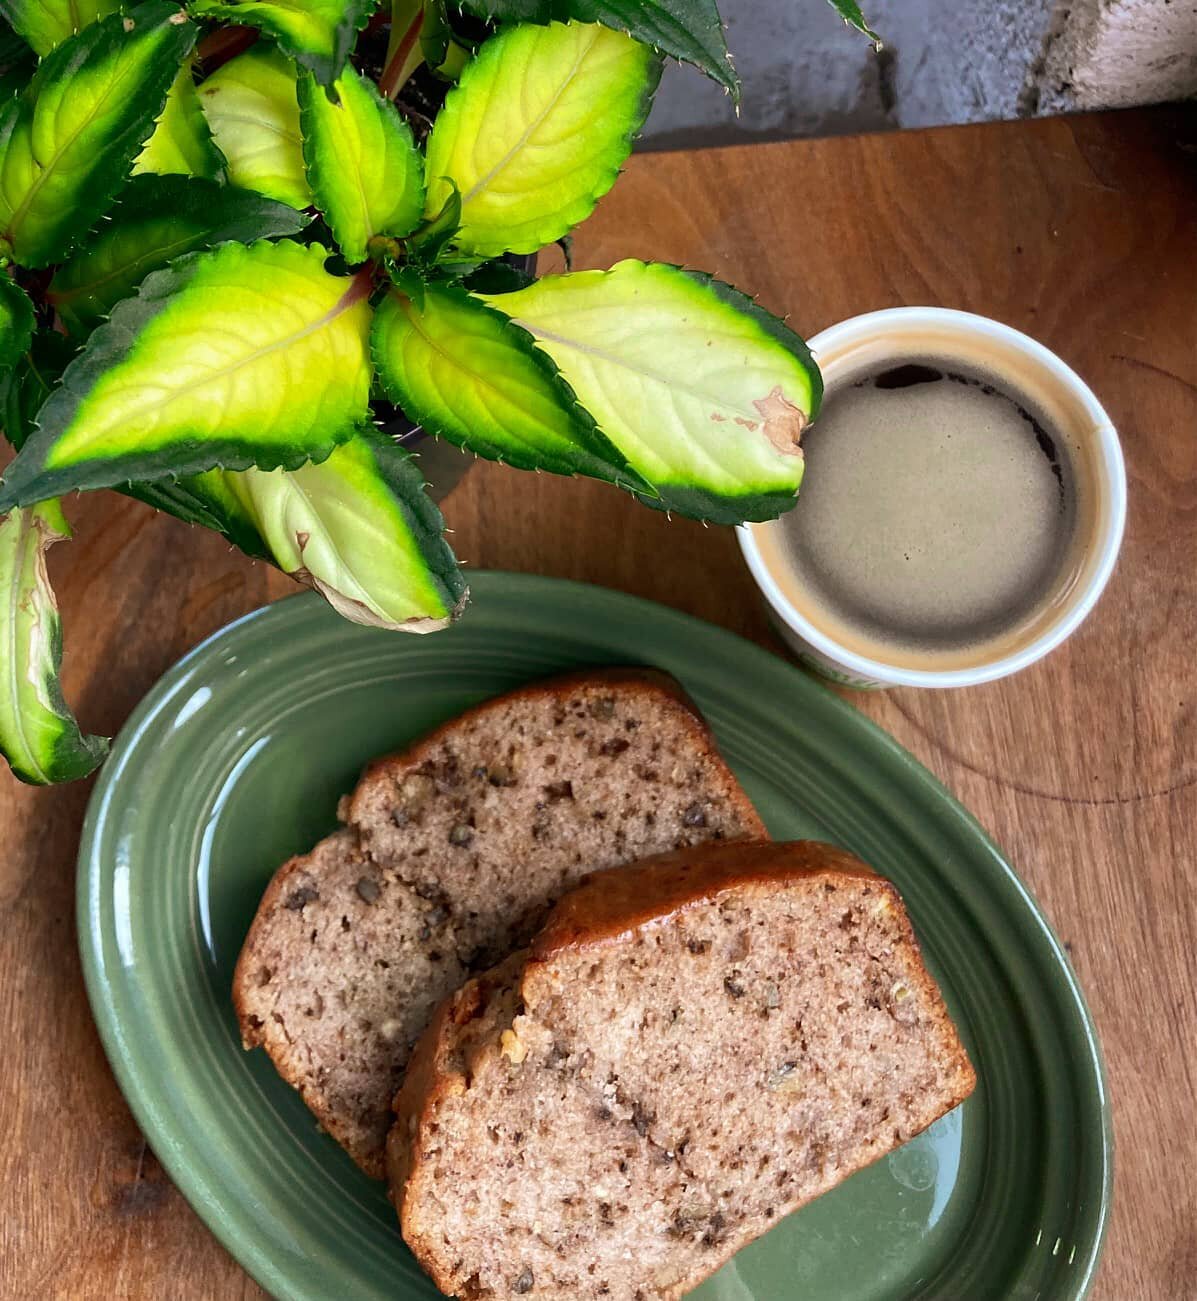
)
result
[(937, 513)]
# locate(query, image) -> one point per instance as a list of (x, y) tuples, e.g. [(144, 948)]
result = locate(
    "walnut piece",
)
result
[(512, 1047)]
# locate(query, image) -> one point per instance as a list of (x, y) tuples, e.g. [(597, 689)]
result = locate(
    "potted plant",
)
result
[(222, 244)]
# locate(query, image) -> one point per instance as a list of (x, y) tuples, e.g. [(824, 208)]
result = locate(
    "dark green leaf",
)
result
[(428, 239), (242, 356), (435, 33), (317, 33), (38, 733), (455, 267), (16, 322), (27, 385), (688, 30), (17, 64), (47, 23), (850, 12), (203, 499), (67, 143), (158, 218), (497, 278), (409, 282)]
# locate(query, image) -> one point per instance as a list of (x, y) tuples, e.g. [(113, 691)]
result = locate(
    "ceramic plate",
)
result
[(235, 760)]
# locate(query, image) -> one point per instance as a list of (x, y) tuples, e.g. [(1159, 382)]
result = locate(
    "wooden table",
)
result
[(1081, 231)]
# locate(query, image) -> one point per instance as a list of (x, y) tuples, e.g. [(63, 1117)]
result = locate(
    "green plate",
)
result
[(235, 760)]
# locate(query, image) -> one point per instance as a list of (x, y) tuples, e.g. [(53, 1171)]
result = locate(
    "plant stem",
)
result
[(360, 286), (403, 53), (225, 43)]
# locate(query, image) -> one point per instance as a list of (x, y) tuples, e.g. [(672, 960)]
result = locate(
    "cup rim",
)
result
[(1111, 469)]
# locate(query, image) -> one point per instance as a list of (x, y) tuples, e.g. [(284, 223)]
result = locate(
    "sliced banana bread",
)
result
[(691, 1049), (452, 854)]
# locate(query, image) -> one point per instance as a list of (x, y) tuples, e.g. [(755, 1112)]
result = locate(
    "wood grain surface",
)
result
[(1081, 231)]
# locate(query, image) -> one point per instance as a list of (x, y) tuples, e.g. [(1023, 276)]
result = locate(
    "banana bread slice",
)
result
[(691, 1049), (452, 854)]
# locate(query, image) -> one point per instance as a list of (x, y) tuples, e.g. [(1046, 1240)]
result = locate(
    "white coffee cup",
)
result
[(877, 339)]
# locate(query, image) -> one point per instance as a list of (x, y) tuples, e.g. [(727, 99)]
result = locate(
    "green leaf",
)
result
[(204, 499), (13, 46), (496, 278), (38, 734), (16, 322), (536, 131), (436, 36), (410, 283), (362, 163), (427, 242), (25, 389), (466, 373), (17, 63), (688, 30), (182, 141), (67, 143), (27, 384), (703, 392), (251, 107), (850, 12), (457, 58), (357, 527), (47, 23), (158, 218), (243, 356), (317, 33)]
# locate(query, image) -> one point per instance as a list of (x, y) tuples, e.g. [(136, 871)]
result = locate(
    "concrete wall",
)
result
[(805, 73), (1118, 53)]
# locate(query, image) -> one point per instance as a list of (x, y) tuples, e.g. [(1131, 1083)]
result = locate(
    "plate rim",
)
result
[(181, 1167)]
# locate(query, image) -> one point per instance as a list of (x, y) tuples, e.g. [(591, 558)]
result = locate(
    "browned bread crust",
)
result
[(354, 943), (629, 681), (605, 906), (532, 1013)]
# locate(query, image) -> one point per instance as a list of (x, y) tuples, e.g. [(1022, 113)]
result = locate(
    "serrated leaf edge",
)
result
[(109, 343), (115, 215), (398, 468), (326, 68), (729, 80), (214, 159), (14, 347), (107, 191), (677, 499), (598, 457), (308, 127), (585, 205)]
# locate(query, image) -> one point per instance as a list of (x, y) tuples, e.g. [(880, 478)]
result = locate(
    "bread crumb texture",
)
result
[(451, 855), (680, 1084)]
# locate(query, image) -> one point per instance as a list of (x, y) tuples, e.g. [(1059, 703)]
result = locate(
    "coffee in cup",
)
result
[(958, 490)]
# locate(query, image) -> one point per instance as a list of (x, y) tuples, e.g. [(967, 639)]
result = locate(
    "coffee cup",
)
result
[(1061, 401)]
